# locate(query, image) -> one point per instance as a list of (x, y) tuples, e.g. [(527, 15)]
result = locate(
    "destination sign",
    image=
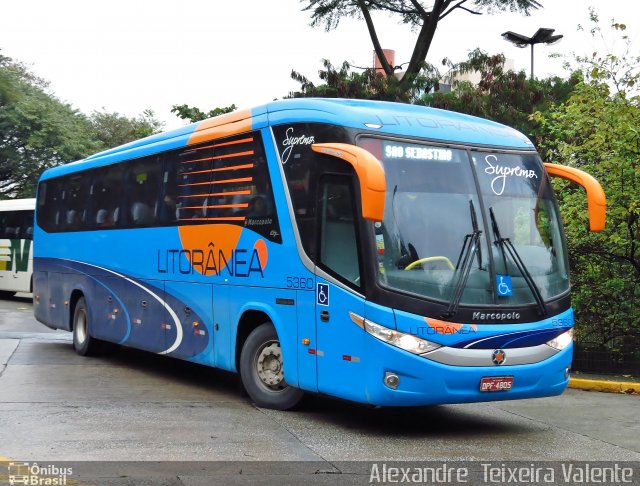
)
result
[(417, 152)]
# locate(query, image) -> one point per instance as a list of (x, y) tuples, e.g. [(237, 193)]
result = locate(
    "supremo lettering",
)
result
[(238, 263), (501, 173), (290, 141)]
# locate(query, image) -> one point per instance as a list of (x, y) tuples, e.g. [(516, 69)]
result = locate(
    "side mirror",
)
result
[(373, 184), (596, 199)]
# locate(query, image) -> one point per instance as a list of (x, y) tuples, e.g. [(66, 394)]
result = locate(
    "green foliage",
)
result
[(330, 12), (38, 131), (8, 91), (368, 84), (113, 129), (598, 130), (421, 17), (621, 69), (501, 95), (194, 114)]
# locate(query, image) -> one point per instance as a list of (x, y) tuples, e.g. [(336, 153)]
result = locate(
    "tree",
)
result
[(368, 84), (7, 89), (194, 114), (113, 129), (501, 95), (424, 19), (600, 133), (598, 130), (37, 131)]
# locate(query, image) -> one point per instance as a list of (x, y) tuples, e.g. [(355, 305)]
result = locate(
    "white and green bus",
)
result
[(16, 246)]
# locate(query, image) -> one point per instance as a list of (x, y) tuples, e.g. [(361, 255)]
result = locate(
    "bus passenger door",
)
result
[(339, 340)]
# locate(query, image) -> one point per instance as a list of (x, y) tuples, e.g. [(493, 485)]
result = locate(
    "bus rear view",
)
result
[(382, 253)]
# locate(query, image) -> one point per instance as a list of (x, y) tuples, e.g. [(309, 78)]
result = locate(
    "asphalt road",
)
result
[(127, 405)]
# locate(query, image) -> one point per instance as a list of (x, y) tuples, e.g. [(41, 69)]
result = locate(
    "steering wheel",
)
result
[(430, 259)]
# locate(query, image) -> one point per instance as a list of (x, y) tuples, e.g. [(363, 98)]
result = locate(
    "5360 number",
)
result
[(300, 283)]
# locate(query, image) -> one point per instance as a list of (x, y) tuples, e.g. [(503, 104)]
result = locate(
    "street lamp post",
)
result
[(542, 36)]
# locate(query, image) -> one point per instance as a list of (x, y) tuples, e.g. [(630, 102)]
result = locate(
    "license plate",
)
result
[(496, 383)]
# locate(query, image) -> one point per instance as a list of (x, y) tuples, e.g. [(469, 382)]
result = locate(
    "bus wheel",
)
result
[(83, 343), (262, 370)]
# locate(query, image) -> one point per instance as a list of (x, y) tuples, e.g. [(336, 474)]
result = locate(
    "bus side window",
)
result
[(50, 205), (338, 240), (169, 206), (220, 181), (75, 202), (144, 186), (109, 195), (26, 224)]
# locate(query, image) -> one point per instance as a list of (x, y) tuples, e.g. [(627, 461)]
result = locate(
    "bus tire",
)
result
[(261, 370), (83, 343)]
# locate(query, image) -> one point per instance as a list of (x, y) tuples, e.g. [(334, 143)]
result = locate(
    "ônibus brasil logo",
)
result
[(37, 475)]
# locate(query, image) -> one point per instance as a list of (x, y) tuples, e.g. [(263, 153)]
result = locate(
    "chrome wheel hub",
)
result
[(269, 366)]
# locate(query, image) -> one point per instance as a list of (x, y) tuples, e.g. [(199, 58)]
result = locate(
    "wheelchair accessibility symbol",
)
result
[(322, 294), (503, 284)]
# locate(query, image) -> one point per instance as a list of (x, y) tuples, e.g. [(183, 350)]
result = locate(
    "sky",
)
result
[(126, 56)]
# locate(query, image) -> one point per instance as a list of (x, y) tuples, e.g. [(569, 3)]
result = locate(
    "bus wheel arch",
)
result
[(259, 359), (76, 294), (247, 323)]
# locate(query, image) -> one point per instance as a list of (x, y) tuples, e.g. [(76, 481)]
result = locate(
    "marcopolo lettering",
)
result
[(239, 262), (495, 316)]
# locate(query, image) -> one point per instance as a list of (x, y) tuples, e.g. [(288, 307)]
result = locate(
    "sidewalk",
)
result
[(626, 384)]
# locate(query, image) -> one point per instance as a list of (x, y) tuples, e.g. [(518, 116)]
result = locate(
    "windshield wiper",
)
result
[(505, 243), (470, 247)]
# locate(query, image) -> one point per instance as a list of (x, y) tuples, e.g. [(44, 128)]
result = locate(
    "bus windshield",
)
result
[(468, 226)]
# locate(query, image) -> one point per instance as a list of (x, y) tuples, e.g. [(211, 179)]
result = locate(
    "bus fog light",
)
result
[(391, 380), (562, 341)]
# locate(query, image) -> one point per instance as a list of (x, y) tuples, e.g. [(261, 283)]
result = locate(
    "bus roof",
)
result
[(17, 204), (371, 116)]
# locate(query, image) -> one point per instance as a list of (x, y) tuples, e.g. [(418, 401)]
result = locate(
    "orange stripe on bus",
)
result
[(230, 218), (216, 145), (221, 169), (226, 181), (237, 154), (230, 193), (239, 205), (222, 126)]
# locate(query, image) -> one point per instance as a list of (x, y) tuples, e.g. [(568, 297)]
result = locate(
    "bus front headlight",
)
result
[(562, 341), (408, 342)]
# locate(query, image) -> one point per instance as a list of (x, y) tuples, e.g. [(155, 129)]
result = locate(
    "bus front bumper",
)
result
[(422, 381)]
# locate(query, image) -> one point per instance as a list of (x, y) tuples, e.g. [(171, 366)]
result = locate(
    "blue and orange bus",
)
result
[(382, 253)]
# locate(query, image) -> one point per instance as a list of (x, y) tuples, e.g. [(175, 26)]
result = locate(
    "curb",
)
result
[(627, 387)]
